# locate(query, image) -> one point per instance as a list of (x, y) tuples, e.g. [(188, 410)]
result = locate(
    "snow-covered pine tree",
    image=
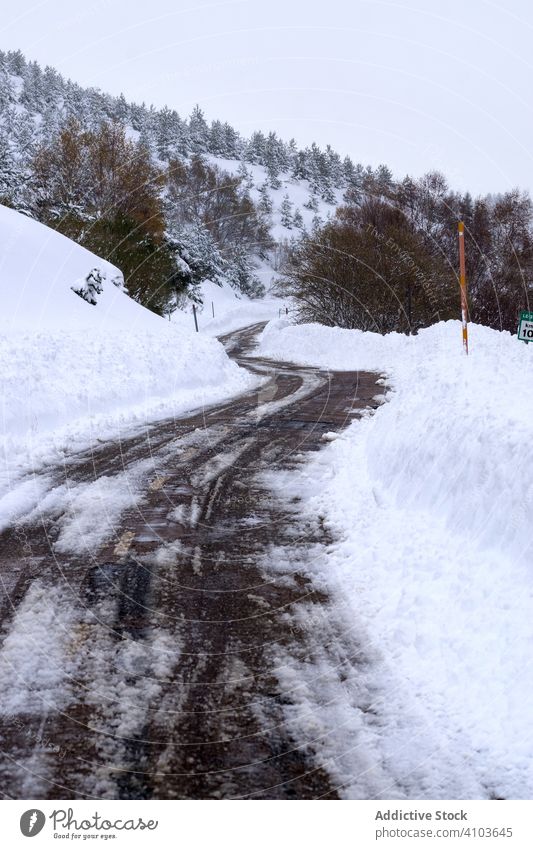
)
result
[(10, 177), (195, 245), (121, 111), (32, 90), (265, 201), (312, 203), (25, 136), (138, 116), (286, 212), (16, 62), (167, 133), (199, 131), (92, 286), (383, 180), (348, 171), (217, 142), (7, 91), (233, 147), (299, 168), (334, 167), (255, 149), (291, 154), (247, 180), (273, 177), (328, 194), (53, 87), (298, 220), (241, 274)]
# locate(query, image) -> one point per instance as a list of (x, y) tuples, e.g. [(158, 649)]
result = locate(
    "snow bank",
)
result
[(71, 369), (456, 439), (430, 505)]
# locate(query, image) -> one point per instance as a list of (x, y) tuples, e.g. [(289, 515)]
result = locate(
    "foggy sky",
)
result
[(417, 85)]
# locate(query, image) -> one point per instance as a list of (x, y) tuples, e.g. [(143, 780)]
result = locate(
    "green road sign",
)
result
[(525, 327)]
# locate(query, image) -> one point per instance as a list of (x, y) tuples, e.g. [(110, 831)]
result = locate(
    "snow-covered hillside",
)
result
[(285, 188), (73, 369), (431, 503), (304, 203)]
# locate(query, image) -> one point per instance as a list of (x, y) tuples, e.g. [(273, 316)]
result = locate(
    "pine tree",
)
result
[(245, 176), (383, 180), (121, 110), (241, 274), (200, 251), (16, 63), (166, 133), (328, 194), (233, 147), (53, 87), (255, 149), (199, 131), (25, 136), (7, 91), (217, 141), (273, 176), (286, 212), (10, 176), (92, 286), (138, 116), (265, 201), (312, 203), (32, 89), (298, 220)]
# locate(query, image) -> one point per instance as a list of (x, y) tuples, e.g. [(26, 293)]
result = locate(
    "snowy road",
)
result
[(150, 600)]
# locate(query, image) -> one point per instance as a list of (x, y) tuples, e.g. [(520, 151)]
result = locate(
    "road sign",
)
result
[(525, 327)]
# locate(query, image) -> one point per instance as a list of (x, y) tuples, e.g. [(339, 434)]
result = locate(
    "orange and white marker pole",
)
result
[(462, 280)]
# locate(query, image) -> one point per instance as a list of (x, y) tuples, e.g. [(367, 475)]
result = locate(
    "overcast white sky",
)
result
[(418, 84)]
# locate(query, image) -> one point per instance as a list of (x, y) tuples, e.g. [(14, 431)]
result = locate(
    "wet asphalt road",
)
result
[(143, 665)]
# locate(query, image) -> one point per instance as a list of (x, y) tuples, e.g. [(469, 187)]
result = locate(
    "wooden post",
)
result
[(195, 319), (213, 308), (462, 280)]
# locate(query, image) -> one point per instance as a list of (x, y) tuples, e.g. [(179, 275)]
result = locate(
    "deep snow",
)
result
[(73, 372), (232, 310), (431, 506), (430, 502)]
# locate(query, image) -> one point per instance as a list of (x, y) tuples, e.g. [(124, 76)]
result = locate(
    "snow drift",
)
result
[(457, 436), (73, 369), (430, 505)]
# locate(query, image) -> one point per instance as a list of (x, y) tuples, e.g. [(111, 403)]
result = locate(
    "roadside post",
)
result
[(525, 327), (195, 319), (213, 308), (462, 280)]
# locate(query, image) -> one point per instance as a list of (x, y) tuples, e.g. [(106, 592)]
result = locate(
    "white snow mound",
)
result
[(430, 505), (74, 370)]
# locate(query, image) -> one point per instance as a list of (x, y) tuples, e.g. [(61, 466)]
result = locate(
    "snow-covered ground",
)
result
[(231, 310), (74, 372), (299, 193), (430, 501)]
